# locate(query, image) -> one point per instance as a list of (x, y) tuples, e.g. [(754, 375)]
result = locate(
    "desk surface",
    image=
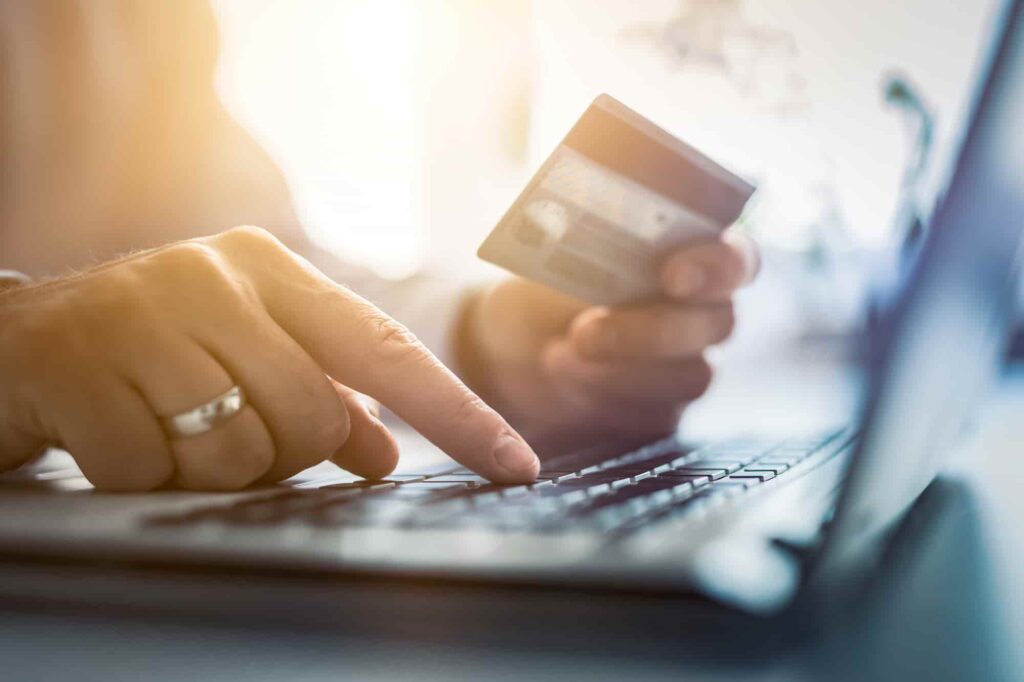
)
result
[(953, 610)]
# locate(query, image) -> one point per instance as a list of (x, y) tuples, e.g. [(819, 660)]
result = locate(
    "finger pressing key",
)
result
[(360, 346)]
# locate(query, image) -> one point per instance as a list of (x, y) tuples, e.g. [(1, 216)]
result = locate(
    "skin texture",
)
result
[(570, 375), (92, 361), (110, 107)]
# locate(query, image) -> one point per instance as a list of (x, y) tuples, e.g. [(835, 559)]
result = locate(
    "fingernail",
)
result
[(687, 280), (515, 456)]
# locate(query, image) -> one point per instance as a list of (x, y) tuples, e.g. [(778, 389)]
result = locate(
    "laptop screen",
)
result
[(942, 341)]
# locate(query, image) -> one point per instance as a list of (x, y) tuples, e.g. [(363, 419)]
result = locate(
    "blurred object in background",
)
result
[(407, 128), (401, 125), (816, 133)]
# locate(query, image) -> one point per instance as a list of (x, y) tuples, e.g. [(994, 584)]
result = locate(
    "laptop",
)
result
[(749, 523)]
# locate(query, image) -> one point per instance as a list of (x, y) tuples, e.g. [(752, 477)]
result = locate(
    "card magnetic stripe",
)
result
[(608, 140)]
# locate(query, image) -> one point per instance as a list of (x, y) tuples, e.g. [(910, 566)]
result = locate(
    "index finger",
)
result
[(358, 344)]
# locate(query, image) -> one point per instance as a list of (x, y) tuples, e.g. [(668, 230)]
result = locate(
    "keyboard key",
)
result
[(626, 505), (748, 473), (711, 472), (570, 498), (436, 484), (624, 492), (635, 492), (515, 490), (609, 476), (365, 486), (680, 476), (632, 466), (779, 467), (728, 487), (729, 465), (776, 469), (748, 479), (686, 485), (472, 479)]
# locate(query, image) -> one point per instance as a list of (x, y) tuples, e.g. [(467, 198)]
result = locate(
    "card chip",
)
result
[(613, 198)]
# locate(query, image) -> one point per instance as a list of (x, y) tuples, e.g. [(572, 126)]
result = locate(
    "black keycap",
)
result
[(713, 473), (630, 466), (571, 484), (680, 476), (472, 479), (610, 476), (426, 488), (366, 486), (432, 484), (728, 465), (636, 491)]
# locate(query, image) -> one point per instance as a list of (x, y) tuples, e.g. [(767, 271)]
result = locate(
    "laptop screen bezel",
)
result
[(876, 494)]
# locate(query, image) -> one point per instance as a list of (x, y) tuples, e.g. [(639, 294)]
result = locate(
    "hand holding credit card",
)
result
[(614, 197)]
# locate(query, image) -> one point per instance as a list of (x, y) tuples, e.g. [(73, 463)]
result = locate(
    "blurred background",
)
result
[(407, 127)]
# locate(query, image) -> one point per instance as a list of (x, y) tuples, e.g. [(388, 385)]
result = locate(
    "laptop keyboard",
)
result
[(615, 495)]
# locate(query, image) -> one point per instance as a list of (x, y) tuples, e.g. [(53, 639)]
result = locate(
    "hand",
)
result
[(568, 375), (92, 362)]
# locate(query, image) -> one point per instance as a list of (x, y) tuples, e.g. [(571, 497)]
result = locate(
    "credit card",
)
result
[(614, 197)]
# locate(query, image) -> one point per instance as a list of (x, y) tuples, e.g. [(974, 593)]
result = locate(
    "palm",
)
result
[(519, 324)]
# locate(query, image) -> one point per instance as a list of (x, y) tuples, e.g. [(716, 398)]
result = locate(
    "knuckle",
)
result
[(116, 299), (261, 255), (251, 238), (392, 343), (469, 408), (189, 271), (190, 259), (193, 279)]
